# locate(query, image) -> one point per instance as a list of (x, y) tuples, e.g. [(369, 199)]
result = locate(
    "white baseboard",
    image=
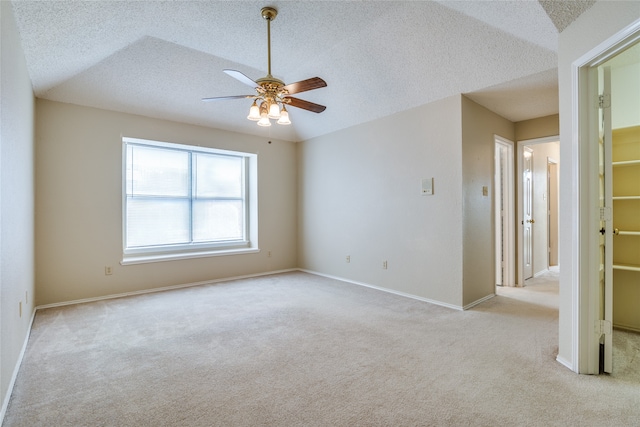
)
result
[(565, 363), (391, 291), (541, 272), (481, 300), (165, 288), (16, 369)]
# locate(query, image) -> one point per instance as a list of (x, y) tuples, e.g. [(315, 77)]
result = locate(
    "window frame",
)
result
[(165, 252)]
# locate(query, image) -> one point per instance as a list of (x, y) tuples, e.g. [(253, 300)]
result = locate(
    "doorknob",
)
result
[(531, 221)]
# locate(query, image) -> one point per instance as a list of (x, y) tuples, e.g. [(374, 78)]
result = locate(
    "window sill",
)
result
[(143, 259)]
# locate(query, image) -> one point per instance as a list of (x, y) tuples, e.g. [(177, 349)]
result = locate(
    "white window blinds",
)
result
[(183, 197)]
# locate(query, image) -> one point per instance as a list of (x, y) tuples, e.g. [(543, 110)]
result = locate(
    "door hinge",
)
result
[(605, 213), (603, 327), (604, 100)]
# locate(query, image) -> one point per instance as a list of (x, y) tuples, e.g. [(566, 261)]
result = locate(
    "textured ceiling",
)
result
[(564, 12), (159, 58)]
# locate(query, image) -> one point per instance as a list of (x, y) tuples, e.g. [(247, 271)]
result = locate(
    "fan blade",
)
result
[(305, 105), (305, 85), (241, 77), (220, 98)]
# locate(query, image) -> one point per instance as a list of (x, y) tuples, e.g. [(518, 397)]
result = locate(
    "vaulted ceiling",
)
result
[(159, 58)]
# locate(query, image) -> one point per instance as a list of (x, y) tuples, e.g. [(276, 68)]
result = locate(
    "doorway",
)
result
[(504, 212), (538, 230), (591, 306), (527, 213), (619, 86)]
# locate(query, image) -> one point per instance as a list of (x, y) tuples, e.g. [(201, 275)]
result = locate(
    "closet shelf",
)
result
[(626, 163), (626, 267), (626, 197), (617, 232)]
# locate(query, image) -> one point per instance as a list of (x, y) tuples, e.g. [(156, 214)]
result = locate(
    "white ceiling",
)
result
[(159, 58)]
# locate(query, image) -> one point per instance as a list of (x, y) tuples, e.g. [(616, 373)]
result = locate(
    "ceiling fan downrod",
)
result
[(269, 13)]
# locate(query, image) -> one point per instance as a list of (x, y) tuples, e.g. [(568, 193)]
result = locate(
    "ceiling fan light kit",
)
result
[(271, 93)]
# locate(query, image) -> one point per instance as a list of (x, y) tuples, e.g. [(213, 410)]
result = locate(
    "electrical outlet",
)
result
[(348, 259), (268, 254), (384, 265), (108, 271)]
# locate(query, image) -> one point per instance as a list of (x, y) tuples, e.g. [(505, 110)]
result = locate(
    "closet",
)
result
[(626, 222)]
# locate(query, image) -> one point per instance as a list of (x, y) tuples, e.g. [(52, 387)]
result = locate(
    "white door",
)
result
[(606, 215), (527, 210)]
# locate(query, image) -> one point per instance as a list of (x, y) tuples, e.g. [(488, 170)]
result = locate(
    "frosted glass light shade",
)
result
[(254, 112), (264, 121), (284, 117), (274, 111)]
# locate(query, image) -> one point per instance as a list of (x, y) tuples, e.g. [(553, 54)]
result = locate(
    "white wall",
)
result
[(360, 195), (16, 198), (593, 27), (79, 204), (625, 96)]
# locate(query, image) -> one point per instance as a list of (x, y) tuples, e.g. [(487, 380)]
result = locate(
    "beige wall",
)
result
[(537, 128), (602, 21), (16, 199), (360, 195), (79, 204), (479, 128)]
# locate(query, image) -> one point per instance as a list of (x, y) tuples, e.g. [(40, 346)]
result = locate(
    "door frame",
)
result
[(520, 167), (585, 294), (553, 210), (508, 239)]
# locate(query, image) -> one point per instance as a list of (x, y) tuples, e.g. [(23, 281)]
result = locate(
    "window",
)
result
[(183, 201)]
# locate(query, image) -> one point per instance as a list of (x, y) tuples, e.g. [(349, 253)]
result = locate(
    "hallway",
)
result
[(543, 290)]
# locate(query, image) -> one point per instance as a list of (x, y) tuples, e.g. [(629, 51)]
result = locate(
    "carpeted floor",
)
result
[(297, 349)]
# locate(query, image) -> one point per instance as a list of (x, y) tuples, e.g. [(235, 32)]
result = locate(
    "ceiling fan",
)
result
[(272, 94)]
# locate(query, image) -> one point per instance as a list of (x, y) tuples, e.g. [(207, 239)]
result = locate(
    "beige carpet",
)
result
[(296, 349)]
